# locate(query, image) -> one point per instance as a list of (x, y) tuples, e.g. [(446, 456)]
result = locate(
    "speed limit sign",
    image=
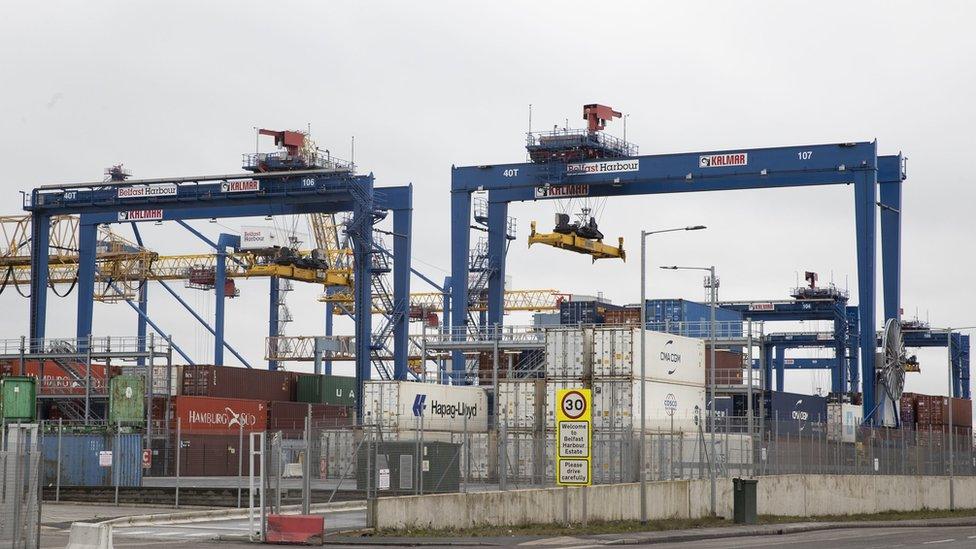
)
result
[(573, 437)]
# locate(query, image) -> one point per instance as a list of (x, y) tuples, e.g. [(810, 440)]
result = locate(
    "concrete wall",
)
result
[(791, 495)]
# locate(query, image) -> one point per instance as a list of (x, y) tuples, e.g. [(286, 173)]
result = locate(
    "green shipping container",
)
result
[(18, 398), (337, 390), (127, 400)]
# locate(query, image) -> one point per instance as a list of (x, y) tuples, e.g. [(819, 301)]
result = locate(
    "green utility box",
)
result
[(127, 400), (744, 500), (319, 389), (18, 398), (403, 467)]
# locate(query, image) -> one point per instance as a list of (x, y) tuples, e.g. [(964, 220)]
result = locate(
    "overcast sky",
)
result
[(175, 88)]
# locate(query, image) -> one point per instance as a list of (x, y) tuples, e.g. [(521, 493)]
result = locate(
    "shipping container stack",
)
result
[(521, 418), (607, 361)]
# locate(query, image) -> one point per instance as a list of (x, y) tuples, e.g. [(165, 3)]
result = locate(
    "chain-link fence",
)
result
[(20, 503), (333, 461)]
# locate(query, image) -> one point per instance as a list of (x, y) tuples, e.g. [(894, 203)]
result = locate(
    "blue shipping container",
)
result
[(696, 317), (795, 414), (79, 460), (585, 312), (723, 407)]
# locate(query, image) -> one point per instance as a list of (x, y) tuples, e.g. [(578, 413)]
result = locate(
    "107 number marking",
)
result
[(805, 155)]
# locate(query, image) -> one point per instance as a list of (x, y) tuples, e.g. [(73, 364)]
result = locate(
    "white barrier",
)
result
[(293, 470), (90, 536)]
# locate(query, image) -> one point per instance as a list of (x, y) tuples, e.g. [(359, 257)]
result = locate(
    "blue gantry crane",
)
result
[(588, 163), (284, 183)]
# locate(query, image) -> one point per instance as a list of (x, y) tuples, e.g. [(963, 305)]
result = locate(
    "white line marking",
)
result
[(939, 541)]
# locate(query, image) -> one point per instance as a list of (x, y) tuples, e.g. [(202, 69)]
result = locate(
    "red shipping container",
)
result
[(56, 380), (232, 382), (219, 415), (212, 455), (290, 416), (724, 359)]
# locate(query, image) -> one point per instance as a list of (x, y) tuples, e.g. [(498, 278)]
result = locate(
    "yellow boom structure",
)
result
[(575, 243)]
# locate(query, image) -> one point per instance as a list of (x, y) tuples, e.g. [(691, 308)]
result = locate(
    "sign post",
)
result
[(574, 435)]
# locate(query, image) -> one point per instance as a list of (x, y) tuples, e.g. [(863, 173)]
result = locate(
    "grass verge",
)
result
[(627, 526)]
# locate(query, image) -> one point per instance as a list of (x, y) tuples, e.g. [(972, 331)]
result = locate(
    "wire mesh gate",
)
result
[(20, 501)]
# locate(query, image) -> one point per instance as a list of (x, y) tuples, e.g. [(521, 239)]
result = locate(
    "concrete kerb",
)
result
[(186, 517), (655, 537), (781, 529), (85, 535)]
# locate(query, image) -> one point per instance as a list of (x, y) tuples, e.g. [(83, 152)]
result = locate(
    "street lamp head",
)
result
[(671, 267), (695, 228)]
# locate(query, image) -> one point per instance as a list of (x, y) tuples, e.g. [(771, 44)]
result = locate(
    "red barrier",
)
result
[(303, 529)]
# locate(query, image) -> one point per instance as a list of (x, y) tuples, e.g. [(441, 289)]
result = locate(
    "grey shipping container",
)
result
[(82, 455)]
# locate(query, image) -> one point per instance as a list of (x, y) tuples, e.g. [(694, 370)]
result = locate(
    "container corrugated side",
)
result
[(794, 413), (568, 353), (216, 455), (326, 389), (673, 359), (18, 398), (219, 415), (614, 352), (79, 460), (619, 404), (127, 400), (290, 416), (444, 407), (232, 382), (521, 404)]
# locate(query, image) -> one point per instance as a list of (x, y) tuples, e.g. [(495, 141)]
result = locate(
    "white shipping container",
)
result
[(159, 381), (616, 405), (616, 352), (672, 359), (843, 421), (567, 353), (445, 407), (258, 238), (521, 404), (613, 352)]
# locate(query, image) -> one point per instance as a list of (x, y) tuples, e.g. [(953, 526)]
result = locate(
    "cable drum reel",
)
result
[(890, 374)]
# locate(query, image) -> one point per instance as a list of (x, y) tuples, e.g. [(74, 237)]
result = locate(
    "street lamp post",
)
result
[(643, 362), (713, 286)]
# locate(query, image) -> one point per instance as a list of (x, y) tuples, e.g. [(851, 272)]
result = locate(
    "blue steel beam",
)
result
[(400, 316), (87, 240), (804, 363), (220, 294), (891, 173), (201, 321), (143, 304), (40, 239), (160, 331), (274, 296)]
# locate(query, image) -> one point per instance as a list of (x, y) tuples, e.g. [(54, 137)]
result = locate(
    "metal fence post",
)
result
[(116, 455), (179, 447), (57, 480), (307, 470), (240, 460)]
